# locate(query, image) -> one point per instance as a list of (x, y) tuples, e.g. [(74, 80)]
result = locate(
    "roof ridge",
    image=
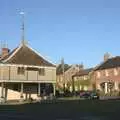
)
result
[(110, 63), (33, 51)]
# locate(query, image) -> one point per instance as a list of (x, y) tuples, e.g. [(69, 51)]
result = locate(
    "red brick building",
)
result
[(82, 80), (106, 76)]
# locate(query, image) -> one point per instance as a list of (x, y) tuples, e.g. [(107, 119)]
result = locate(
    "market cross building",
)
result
[(24, 74)]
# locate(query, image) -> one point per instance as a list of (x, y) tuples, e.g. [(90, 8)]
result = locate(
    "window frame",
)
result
[(41, 72), (20, 70)]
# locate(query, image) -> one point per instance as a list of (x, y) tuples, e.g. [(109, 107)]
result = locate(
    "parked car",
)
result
[(85, 94), (94, 95), (89, 95)]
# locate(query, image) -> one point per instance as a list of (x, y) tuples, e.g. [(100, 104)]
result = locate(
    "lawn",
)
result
[(63, 110)]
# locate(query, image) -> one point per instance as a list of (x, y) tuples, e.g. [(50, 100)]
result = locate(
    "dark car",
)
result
[(94, 95), (85, 94), (89, 95)]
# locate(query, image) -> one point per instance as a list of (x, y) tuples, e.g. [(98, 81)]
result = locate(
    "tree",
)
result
[(60, 69), (102, 85)]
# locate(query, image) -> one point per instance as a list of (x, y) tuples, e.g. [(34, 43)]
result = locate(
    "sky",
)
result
[(81, 31)]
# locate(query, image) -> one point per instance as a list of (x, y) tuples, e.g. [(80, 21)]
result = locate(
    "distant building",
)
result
[(24, 74), (59, 82), (82, 80), (107, 75), (65, 80)]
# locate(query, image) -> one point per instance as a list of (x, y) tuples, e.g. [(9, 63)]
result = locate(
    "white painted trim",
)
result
[(12, 54), (28, 81), (31, 49), (21, 65)]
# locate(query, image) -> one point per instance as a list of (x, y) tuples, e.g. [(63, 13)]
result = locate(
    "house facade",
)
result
[(59, 81), (65, 80), (82, 80), (107, 75), (24, 73)]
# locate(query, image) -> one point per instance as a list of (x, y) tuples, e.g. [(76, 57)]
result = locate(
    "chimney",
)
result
[(5, 52), (81, 66), (106, 56)]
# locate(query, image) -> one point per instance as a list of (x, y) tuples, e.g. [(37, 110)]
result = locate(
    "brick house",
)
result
[(106, 76), (67, 77), (82, 80)]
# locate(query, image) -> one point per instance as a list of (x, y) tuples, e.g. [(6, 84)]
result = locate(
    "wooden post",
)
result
[(6, 92), (9, 72), (54, 89), (39, 90), (2, 90), (2, 99), (26, 96), (21, 92)]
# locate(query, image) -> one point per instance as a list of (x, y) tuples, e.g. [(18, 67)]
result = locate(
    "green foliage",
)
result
[(83, 82), (110, 85), (119, 86), (60, 68), (102, 85)]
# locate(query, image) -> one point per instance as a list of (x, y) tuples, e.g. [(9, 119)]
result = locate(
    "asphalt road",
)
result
[(63, 110)]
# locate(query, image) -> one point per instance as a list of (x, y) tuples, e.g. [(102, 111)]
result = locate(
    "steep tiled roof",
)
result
[(83, 72), (110, 63), (8, 54), (26, 56)]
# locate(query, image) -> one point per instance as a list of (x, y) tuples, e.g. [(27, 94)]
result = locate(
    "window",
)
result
[(77, 78), (106, 73), (98, 74), (20, 71), (85, 77), (61, 79), (115, 72), (42, 71)]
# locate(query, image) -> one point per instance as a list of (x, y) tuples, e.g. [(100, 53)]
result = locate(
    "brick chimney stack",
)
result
[(5, 52)]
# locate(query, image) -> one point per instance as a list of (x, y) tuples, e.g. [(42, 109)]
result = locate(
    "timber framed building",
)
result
[(24, 74)]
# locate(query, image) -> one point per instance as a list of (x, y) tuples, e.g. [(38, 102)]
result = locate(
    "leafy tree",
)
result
[(102, 85), (60, 68)]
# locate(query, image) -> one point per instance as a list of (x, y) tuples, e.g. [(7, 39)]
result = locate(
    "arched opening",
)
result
[(107, 87)]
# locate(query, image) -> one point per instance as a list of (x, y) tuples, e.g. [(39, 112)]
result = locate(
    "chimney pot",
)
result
[(106, 56)]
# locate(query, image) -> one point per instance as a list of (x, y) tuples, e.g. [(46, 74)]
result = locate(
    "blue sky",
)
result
[(78, 30)]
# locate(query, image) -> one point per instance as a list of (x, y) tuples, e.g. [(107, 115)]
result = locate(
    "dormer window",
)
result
[(115, 72), (20, 71)]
